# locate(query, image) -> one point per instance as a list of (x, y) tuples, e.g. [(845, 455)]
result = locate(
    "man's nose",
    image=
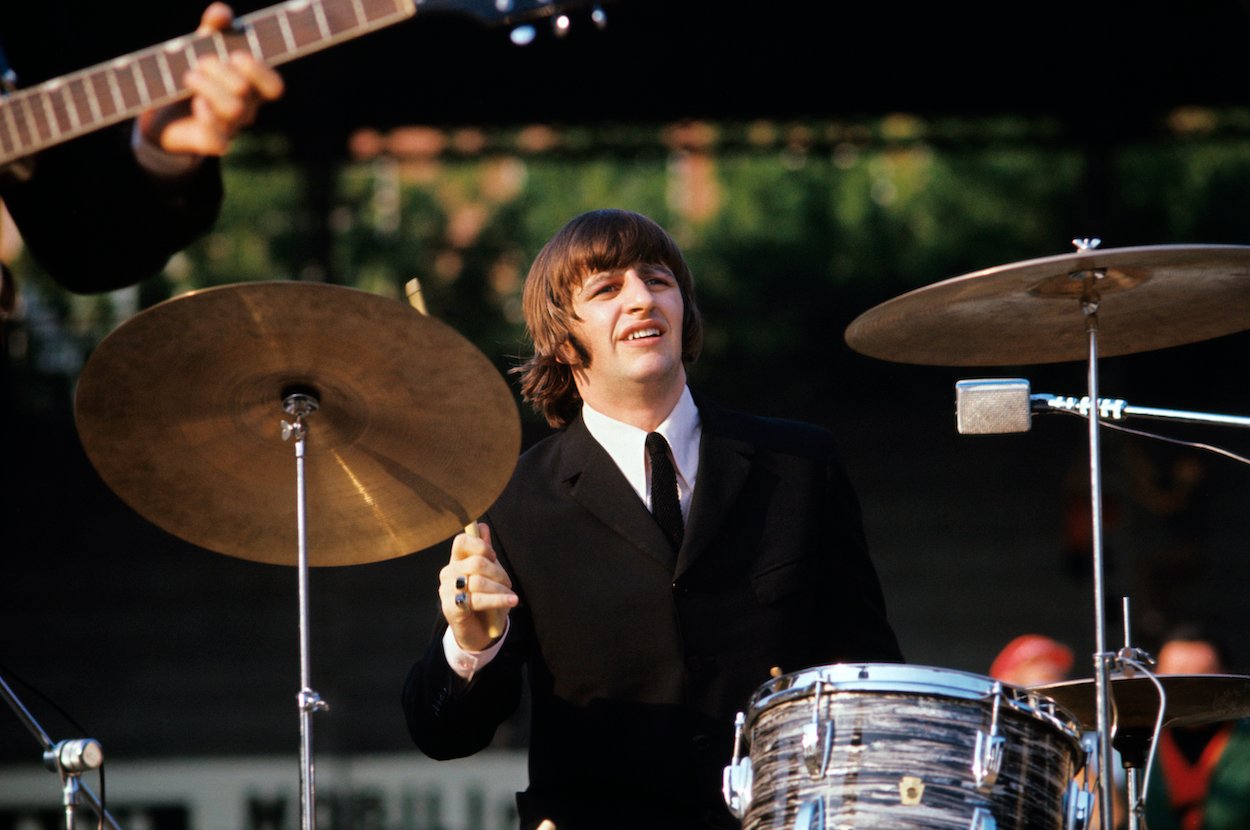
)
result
[(635, 291)]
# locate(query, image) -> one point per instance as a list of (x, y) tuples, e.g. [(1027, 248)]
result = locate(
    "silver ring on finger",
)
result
[(462, 600)]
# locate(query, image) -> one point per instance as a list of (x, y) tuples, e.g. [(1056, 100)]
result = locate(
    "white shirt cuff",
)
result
[(157, 161), (463, 662)]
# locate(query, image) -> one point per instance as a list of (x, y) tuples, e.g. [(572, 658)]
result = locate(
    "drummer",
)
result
[(649, 564)]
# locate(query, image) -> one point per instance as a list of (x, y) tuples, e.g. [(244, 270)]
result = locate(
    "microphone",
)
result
[(989, 406)]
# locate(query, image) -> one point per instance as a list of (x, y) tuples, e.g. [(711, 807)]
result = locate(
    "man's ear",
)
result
[(570, 353)]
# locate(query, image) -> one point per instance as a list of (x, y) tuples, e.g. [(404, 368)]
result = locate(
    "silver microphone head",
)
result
[(992, 405)]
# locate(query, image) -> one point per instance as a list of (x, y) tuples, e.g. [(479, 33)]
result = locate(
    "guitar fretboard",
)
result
[(58, 110)]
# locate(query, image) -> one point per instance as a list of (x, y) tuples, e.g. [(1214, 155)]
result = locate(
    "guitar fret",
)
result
[(127, 86), (26, 136), (49, 115), (162, 63), (71, 106), (301, 21), (115, 91), (361, 18), (284, 25), (220, 42), (177, 64), (141, 83), (9, 114), (323, 25), (257, 51), (269, 37), (88, 94)]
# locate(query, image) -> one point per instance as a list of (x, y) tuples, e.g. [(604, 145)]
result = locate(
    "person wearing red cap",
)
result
[(1032, 660)]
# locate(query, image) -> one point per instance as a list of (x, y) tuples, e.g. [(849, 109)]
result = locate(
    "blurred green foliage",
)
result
[(792, 229)]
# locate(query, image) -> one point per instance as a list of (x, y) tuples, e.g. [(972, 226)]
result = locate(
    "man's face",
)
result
[(629, 321)]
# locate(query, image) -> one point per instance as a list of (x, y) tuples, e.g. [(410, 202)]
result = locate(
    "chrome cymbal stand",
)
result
[(1090, 300), (301, 404), (69, 759)]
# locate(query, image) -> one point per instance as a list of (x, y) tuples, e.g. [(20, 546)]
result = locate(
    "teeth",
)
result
[(644, 333)]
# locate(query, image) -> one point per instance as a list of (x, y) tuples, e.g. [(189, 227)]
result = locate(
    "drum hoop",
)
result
[(911, 679)]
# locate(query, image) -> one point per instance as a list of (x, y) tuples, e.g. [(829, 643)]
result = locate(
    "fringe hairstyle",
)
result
[(600, 240)]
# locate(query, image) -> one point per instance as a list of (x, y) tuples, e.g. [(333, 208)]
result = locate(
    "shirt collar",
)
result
[(626, 444)]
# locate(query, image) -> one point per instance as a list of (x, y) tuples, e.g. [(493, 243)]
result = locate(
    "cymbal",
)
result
[(1192, 700), (180, 410), (1151, 297)]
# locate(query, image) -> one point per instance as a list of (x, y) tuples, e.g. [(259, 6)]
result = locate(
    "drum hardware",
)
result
[(1129, 300), (817, 741), (176, 409), (69, 759), (982, 819), (1082, 796), (987, 759), (811, 815), (736, 780)]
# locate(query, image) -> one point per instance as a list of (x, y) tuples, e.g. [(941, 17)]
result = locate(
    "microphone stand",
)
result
[(1115, 409), (67, 758)]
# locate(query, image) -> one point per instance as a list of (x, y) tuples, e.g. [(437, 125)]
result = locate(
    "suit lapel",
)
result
[(598, 485), (724, 464)]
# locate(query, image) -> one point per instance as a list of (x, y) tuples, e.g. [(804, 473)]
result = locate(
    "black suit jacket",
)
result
[(636, 667)]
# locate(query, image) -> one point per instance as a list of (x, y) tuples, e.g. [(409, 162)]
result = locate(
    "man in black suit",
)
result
[(642, 633)]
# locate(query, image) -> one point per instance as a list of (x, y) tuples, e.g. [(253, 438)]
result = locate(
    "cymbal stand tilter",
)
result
[(1137, 747), (301, 403), (69, 759)]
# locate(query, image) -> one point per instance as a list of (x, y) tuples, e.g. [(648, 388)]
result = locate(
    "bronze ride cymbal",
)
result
[(1192, 700), (1030, 312), (180, 409)]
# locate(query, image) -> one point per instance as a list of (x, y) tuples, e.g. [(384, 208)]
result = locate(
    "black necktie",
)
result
[(664, 504)]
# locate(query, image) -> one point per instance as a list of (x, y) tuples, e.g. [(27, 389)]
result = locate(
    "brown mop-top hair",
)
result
[(597, 241)]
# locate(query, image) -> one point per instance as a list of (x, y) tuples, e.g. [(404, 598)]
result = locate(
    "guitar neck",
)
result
[(55, 111)]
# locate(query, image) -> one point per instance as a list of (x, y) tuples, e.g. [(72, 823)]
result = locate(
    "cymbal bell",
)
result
[(1151, 297), (1192, 700), (180, 410)]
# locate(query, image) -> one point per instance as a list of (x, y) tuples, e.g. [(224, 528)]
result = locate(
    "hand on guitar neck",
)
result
[(225, 98)]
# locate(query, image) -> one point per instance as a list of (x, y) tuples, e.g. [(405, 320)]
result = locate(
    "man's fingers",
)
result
[(215, 18)]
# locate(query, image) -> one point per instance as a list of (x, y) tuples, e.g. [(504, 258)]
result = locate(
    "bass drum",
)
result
[(897, 746)]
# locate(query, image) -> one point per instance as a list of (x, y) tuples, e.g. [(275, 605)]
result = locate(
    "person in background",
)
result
[(1032, 660), (1201, 774)]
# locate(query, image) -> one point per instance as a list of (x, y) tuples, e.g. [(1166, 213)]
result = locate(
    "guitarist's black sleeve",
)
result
[(96, 220), (92, 216)]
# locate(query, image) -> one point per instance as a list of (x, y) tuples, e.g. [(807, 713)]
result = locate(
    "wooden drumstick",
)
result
[(415, 299)]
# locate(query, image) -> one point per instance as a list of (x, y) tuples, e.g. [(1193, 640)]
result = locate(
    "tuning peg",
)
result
[(599, 17), (560, 25)]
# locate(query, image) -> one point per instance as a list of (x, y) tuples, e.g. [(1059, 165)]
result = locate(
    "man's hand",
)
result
[(475, 591), (225, 98)]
